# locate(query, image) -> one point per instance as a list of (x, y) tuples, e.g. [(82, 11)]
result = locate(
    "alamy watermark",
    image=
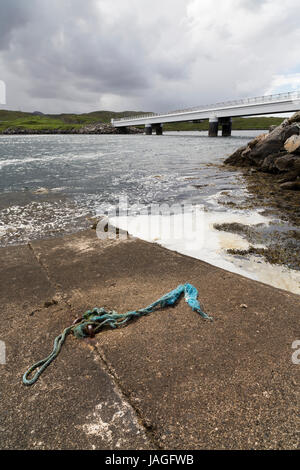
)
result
[(296, 353), (2, 92), (2, 353), (177, 222)]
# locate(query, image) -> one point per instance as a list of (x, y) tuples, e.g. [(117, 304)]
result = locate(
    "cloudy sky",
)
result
[(157, 55)]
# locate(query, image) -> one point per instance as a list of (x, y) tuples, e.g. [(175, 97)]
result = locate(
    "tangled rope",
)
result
[(93, 320)]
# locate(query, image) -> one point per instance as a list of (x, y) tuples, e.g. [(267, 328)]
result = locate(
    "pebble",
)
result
[(41, 191)]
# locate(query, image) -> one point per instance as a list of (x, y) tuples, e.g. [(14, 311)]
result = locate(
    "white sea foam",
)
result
[(204, 242), (94, 171), (48, 158)]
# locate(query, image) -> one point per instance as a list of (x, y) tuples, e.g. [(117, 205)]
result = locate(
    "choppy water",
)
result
[(86, 174)]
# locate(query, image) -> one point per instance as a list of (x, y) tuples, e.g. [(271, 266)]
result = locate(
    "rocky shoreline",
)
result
[(270, 166), (99, 128), (276, 153)]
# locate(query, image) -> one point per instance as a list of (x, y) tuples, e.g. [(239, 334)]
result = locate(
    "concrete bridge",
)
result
[(220, 113)]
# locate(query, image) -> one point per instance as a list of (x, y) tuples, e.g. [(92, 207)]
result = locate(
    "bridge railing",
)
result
[(224, 104)]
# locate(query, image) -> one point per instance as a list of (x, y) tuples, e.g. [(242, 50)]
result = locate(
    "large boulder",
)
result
[(237, 158), (242, 156), (292, 144), (268, 164), (294, 118), (257, 140), (288, 162), (273, 142)]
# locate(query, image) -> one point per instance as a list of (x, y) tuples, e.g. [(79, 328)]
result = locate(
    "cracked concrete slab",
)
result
[(177, 381), (78, 405)]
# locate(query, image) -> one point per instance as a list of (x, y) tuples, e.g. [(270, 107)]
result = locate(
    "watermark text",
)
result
[(2, 353), (2, 92), (296, 353)]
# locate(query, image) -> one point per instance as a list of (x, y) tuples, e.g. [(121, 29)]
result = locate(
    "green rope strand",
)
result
[(94, 320), (44, 363)]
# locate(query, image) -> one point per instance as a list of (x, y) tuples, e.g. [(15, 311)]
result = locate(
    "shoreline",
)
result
[(277, 244), (222, 239), (116, 131), (249, 239), (101, 129), (239, 365), (270, 165)]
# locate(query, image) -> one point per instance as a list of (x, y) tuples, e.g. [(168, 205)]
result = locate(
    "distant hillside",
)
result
[(40, 122)]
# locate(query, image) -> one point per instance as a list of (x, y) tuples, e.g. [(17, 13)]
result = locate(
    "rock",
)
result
[(294, 118), (97, 128), (257, 140), (41, 191), (285, 123), (292, 144), (51, 302), (273, 142), (268, 165), (236, 158), (288, 162), (290, 176), (271, 128), (293, 185), (265, 148), (283, 132), (101, 128)]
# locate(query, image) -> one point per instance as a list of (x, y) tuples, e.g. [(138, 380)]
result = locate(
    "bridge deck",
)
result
[(271, 104)]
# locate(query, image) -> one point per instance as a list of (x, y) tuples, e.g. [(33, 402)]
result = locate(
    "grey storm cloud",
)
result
[(13, 15), (74, 55)]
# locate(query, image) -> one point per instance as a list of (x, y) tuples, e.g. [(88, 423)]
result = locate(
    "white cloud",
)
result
[(280, 83)]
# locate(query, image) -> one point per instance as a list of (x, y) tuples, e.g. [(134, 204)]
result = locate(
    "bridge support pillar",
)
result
[(213, 127), (148, 129), (158, 129), (226, 127)]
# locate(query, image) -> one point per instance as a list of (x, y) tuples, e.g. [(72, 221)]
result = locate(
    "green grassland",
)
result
[(21, 120)]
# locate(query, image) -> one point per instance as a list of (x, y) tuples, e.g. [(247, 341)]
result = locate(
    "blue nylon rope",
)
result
[(99, 317)]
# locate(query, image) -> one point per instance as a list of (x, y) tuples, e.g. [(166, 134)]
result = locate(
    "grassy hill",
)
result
[(22, 120), (18, 119)]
